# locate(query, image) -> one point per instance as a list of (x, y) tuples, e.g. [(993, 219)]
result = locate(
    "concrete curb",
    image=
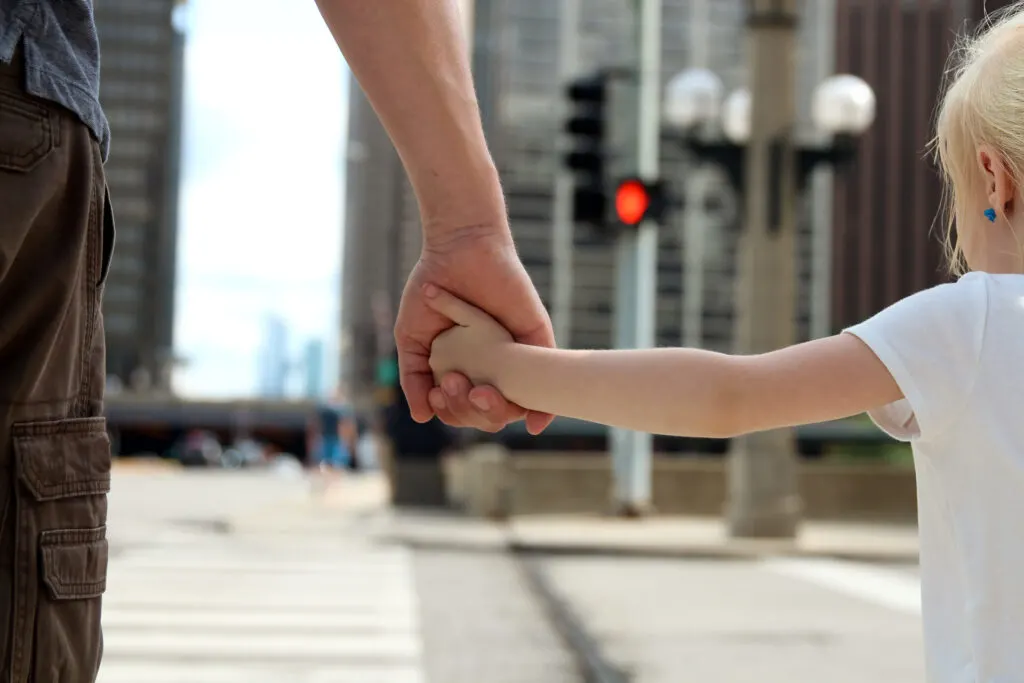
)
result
[(725, 552), (748, 552)]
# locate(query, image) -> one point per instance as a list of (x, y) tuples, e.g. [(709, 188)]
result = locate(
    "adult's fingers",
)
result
[(416, 380), (537, 422), (452, 404), (493, 406)]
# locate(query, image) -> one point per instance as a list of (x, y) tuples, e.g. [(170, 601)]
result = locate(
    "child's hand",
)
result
[(473, 347)]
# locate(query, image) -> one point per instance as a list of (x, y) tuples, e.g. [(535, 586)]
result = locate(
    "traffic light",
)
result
[(587, 127), (637, 201)]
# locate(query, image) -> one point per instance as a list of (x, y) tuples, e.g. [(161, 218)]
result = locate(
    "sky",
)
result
[(262, 188)]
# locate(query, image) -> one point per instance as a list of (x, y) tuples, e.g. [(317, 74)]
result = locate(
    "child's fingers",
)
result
[(452, 307)]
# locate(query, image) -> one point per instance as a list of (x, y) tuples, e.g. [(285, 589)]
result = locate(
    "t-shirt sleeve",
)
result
[(931, 344)]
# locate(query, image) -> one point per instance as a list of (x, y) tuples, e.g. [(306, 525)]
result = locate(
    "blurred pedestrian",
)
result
[(330, 437)]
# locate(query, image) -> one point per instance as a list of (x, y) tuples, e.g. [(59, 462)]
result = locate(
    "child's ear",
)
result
[(1000, 188)]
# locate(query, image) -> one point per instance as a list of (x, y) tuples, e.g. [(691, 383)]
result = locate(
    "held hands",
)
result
[(473, 347), (481, 266)]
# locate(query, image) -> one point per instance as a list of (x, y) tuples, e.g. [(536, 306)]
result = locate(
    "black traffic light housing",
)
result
[(587, 126)]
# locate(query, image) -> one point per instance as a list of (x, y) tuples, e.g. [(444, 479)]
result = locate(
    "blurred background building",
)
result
[(313, 367), (515, 60), (142, 45), (274, 364), (865, 239), (883, 223)]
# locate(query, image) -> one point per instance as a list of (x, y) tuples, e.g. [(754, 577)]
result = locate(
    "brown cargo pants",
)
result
[(56, 237)]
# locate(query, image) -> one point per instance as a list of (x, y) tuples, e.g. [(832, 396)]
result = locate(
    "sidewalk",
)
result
[(362, 501), (655, 537), (145, 465)]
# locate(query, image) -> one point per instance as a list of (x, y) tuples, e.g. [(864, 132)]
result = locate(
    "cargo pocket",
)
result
[(61, 552)]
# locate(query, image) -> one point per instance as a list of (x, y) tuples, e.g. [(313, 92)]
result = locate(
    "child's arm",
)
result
[(668, 391), (700, 393)]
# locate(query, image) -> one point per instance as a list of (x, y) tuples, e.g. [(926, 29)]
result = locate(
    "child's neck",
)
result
[(1005, 261), (1000, 252)]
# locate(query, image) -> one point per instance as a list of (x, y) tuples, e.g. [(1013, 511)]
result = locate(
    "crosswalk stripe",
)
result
[(237, 610), (288, 620), (895, 590), (173, 564), (181, 672), (250, 646)]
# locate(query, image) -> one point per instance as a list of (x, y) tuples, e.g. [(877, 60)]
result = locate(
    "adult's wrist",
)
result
[(462, 206)]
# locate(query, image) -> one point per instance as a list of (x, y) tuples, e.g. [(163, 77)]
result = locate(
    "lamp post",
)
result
[(750, 135), (716, 129)]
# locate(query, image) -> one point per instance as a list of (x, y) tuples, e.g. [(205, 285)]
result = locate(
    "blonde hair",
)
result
[(983, 103)]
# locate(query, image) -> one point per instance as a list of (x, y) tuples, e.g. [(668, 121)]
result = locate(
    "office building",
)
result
[(142, 54), (520, 88), (273, 363), (884, 244)]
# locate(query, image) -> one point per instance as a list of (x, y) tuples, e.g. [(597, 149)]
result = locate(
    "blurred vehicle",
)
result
[(199, 448), (244, 453), (286, 464)]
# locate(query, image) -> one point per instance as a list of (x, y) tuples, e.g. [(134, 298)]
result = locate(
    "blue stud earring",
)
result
[(990, 214)]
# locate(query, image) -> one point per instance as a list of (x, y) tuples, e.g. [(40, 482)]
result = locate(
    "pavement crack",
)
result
[(593, 665)]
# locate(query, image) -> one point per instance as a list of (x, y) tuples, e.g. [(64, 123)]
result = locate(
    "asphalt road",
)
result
[(676, 621)]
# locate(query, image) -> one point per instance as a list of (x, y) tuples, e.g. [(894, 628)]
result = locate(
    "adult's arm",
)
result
[(410, 59)]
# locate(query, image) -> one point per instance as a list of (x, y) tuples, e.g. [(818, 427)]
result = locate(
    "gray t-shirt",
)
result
[(62, 55)]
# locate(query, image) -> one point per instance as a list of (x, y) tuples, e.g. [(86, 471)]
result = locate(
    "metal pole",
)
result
[(764, 498), (562, 224), (822, 187), (638, 261), (696, 185)]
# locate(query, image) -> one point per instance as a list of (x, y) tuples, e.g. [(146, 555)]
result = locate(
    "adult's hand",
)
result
[(479, 265)]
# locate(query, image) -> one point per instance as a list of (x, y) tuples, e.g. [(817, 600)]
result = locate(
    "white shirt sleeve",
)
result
[(931, 344)]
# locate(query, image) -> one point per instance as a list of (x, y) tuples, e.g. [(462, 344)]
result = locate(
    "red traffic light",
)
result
[(632, 199)]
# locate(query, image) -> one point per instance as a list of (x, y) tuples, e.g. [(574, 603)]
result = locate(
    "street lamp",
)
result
[(751, 135), (842, 106)]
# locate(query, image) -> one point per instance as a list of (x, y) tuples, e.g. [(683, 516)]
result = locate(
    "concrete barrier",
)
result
[(413, 482), (454, 467), (555, 483), (486, 472)]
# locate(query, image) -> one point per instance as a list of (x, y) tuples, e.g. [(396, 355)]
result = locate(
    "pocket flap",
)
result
[(64, 458), (74, 562)]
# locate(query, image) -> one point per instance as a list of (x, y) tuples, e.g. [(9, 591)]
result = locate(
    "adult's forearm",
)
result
[(410, 59)]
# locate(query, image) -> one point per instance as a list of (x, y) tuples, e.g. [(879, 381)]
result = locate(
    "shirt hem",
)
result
[(49, 86), (892, 362)]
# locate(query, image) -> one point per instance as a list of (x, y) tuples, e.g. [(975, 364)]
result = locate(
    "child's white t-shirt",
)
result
[(957, 353)]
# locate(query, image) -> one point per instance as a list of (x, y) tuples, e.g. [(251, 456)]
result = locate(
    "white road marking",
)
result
[(891, 588), (270, 610)]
